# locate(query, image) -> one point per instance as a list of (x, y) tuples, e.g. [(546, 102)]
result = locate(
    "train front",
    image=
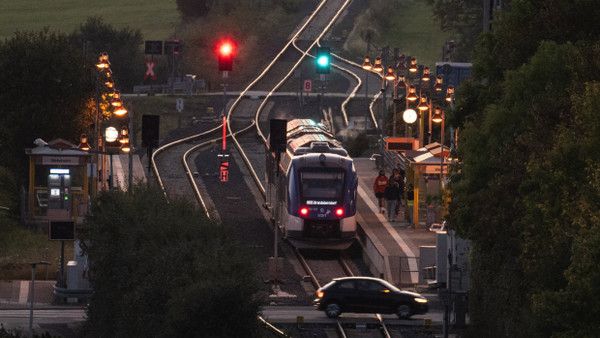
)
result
[(322, 201)]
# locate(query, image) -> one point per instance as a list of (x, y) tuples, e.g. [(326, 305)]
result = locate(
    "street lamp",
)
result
[(33, 265), (83, 144), (108, 104), (378, 67)]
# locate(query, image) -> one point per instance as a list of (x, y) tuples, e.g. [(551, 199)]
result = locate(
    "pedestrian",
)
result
[(381, 182), (398, 177), (391, 196), (410, 202)]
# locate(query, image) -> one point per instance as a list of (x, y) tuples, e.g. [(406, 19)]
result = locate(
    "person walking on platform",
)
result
[(391, 195), (410, 202), (381, 182), (398, 177)]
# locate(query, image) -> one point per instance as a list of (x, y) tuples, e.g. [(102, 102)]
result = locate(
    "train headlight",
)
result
[(339, 212), (304, 211)]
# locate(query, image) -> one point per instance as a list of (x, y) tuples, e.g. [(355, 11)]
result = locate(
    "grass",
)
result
[(417, 34), (156, 19), (414, 33), (19, 247)]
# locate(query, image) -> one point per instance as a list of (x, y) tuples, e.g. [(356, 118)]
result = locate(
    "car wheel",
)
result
[(333, 310), (403, 311)]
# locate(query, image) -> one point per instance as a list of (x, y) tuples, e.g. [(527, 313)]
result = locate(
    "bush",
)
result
[(357, 145), (158, 266)]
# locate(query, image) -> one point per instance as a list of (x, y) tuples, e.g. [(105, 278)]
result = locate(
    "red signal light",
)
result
[(225, 48), (225, 52), (304, 211), (339, 211)]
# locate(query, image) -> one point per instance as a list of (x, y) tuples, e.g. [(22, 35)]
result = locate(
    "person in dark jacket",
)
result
[(391, 196), (410, 202), (398, 176)]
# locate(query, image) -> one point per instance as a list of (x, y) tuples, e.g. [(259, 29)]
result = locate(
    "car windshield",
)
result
[(322, 184)]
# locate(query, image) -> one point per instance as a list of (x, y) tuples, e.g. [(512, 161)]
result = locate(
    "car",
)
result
[(368, 295)]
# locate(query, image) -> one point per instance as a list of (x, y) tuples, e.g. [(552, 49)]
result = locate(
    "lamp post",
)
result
[(440, 117), (367, 66), (111, 135), (450, 99), (33, 265), (378, 67), (108, 104)]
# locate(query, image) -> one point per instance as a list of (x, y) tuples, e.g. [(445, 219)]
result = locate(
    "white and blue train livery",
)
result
[(312, 194)]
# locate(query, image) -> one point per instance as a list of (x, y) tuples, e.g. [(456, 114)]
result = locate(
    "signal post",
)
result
[(225, 53)]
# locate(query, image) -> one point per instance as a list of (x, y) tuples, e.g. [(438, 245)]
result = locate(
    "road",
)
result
[(58, 319)]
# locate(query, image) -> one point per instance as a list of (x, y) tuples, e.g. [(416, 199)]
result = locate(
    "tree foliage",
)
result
[(47, 84), (463, 17), (44, 90), (163, 269), (526, 192), (124, 47)]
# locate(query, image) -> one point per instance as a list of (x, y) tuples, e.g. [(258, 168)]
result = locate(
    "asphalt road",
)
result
[(59, 320)]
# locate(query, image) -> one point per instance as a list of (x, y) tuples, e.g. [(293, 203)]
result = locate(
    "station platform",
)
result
[(392, 249), (120, 167)]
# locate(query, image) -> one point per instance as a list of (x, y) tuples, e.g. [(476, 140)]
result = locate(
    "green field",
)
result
[(414, 32), (156, 19)]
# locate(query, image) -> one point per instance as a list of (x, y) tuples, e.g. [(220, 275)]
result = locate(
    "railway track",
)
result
[(246, 124)]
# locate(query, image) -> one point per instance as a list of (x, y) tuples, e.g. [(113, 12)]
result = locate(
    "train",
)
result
[(312, 188)]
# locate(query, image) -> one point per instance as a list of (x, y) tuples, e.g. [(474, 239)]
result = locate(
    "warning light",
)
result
[(339, 211), (225, 51), (304, 211)]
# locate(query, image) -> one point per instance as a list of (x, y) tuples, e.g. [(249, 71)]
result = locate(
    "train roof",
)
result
[(305, 135)]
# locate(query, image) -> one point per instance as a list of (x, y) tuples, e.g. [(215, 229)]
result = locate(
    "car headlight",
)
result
[(421, 300)]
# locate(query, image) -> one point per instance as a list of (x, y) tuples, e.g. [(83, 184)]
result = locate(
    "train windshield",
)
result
[(322, 184)]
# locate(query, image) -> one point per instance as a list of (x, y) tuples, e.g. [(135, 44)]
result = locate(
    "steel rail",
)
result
[(167, 146), (270, 93)]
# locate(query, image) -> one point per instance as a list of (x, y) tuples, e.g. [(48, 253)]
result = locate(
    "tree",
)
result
[(123, 46), (44, 91), (156, 267), (464, 17), (526, 190)]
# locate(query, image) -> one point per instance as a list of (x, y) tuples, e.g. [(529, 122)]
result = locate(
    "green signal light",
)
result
[(323, 61)]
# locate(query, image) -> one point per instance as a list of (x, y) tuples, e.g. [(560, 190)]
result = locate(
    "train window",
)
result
[(318, 184)]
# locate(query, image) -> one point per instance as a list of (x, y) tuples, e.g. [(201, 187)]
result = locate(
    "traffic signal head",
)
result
[(225, 51), (323, 60)]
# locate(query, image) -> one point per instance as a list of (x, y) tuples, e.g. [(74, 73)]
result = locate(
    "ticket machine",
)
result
[(59, 189)]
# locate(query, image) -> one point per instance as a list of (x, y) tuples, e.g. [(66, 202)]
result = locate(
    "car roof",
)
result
[(359, 278), (383, 281)]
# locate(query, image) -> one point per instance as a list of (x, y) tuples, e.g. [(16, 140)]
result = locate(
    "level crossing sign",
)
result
[(150, 69)]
